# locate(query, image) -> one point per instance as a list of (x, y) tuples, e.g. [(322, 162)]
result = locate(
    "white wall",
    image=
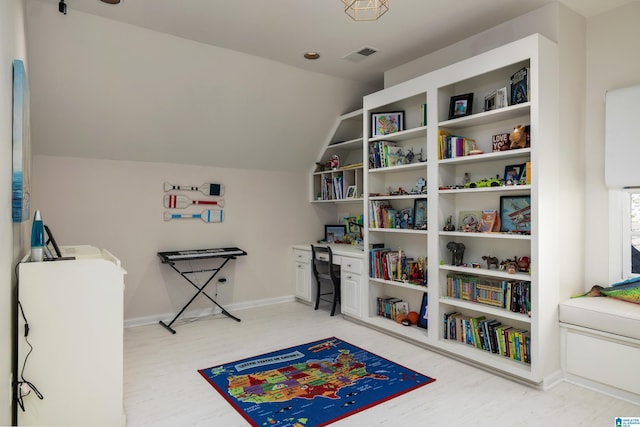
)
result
[(117, 205), (612, 62), (543, 21), (12, 46), (109, 90)]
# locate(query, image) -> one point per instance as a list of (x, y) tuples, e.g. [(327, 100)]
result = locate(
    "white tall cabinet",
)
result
[(74, 310), (552, 232)]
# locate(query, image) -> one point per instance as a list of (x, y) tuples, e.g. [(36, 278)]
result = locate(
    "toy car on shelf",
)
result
[(488, 182)]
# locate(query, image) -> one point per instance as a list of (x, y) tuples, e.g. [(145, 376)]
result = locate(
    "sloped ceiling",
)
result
[(209, 82)]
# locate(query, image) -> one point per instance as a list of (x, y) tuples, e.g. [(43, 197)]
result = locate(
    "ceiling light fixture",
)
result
[(312, 55), (111, 1), (365, 10)]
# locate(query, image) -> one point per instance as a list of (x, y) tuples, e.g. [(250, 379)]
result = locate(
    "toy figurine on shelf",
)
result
[(449, 225), (333, 163), (491, 260), (457, 252)]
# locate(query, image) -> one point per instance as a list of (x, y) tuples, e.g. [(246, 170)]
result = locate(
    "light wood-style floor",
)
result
[(163, 388)]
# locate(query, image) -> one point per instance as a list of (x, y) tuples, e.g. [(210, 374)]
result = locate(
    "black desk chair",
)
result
[(325, 270)]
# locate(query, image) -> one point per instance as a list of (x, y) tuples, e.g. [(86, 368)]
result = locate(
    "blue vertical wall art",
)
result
[(21, 144)]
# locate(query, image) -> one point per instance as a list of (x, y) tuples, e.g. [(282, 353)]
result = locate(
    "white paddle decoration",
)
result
[(206, 189), (210, 215), (173, 201)]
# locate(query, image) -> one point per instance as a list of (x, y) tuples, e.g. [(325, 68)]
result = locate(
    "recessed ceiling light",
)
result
[(111, 1), (312, 55)]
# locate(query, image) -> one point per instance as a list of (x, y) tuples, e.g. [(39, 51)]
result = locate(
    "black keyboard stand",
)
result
[(171, 259)]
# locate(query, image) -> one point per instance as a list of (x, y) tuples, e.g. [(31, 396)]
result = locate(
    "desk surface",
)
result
[(336, 248)]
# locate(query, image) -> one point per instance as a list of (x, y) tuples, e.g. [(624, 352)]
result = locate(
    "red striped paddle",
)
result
[(210, 215), (173, 201), (206, 189)]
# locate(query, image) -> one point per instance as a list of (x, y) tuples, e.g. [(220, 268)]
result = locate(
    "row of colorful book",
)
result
[(390, 307), (452, 146), (514, 296), (489, 335), (383, 215), (388, 264)]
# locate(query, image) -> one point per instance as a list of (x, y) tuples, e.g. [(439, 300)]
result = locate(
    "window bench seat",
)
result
[(600, 339)]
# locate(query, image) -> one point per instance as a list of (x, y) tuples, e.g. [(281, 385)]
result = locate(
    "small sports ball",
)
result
[(413, 317), (400, 317)]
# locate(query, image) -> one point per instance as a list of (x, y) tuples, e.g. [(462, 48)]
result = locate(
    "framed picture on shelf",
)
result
[(386, 123), (515, 214), (460, 106), (512, 173), (469, 220), (351, 192), (420, 214), (334, 233), (491, 101)]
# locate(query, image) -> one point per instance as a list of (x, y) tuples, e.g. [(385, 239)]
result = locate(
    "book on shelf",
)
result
[(394, 156), (423, 316), (487, 220), (338, 186), (520, 86), (423, 115)]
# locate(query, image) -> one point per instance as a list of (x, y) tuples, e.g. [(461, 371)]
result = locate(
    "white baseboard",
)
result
[(193, 314)]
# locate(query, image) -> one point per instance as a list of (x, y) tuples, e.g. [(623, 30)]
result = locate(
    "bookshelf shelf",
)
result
[(398, 169), (506, 236), (402, 135), (486, 309), (485, 272), (398, 230), (400, 284), (487, 117), (502, 189)]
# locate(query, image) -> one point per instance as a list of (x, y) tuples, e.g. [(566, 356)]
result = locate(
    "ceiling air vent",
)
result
[(360, 54)]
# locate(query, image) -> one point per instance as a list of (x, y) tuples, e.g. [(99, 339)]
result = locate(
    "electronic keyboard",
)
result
[(201, 254)]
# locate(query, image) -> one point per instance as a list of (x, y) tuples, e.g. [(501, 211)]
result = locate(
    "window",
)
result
[(631, 233)]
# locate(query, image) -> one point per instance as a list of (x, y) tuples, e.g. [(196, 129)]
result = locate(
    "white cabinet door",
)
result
[(303, 281), (303, 274), (351, 284)]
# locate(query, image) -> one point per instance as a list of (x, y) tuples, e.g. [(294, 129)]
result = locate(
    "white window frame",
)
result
[(625, 232)]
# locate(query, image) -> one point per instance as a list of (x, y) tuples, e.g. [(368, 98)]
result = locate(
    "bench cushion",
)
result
[(603, 314)]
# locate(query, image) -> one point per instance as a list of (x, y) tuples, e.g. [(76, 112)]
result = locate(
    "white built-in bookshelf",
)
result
[(397, 185)]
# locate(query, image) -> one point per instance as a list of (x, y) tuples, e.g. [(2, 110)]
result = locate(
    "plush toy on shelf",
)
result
[(518, 137)]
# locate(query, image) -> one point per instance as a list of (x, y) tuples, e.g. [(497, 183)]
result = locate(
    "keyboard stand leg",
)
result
[(200, 291)]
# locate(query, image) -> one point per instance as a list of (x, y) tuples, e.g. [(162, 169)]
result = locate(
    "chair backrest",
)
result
[(322, 256)]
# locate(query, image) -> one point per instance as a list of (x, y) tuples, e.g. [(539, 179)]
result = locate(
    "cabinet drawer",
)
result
[(351, 265), (301, 256)]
